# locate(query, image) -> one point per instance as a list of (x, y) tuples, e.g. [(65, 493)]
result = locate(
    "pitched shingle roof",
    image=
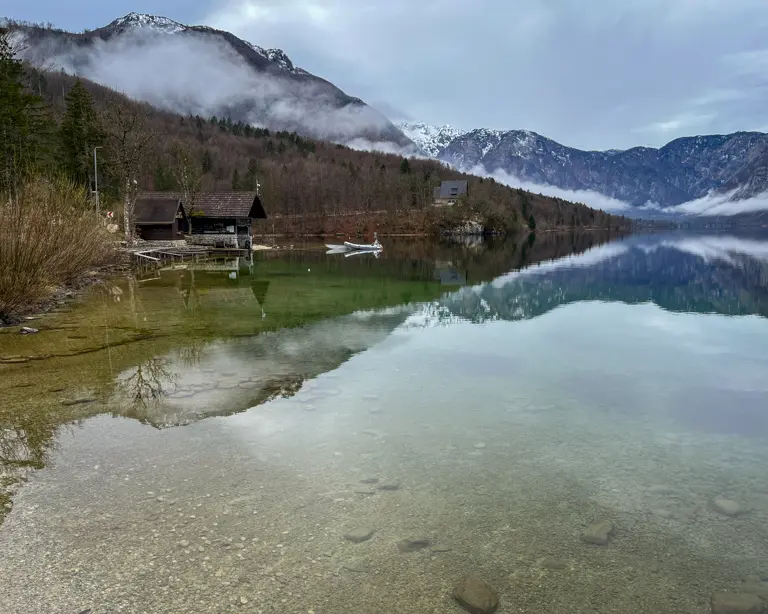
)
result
[(451, 189), (218, 204), (156, 210)]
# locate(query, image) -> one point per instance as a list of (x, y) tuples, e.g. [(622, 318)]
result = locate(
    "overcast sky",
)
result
[(594, 74)]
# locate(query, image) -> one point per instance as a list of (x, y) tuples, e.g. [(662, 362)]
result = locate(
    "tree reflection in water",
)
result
[(147, 384)]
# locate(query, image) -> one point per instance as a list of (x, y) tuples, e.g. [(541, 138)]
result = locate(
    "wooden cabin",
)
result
[(219, 219), (160, 219), (449, 192)]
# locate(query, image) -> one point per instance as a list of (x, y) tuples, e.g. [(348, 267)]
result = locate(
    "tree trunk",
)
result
[(128, 213)]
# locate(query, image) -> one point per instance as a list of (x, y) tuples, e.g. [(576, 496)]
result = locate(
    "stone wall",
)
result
[(227, 240), (158, 244)]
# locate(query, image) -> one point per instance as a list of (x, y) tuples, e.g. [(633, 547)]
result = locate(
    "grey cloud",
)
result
[(722, 204), (201, 75), (587, 197), (595, 75)]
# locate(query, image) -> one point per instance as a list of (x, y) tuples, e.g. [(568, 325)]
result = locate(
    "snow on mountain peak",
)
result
[(143, 20), (279, 57), (169, 26), (430, 139)]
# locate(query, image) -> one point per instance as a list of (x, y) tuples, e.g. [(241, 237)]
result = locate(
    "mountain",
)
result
[(308, 186), (430, 139), (683, 170), (197, 70), (681, 273)]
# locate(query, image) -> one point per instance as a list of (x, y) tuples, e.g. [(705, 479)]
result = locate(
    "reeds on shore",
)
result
[(49, 237)]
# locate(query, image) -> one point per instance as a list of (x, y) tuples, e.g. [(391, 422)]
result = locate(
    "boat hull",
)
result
[(362, 247)]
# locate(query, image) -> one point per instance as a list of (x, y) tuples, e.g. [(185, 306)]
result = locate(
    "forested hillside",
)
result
[(296, 175)]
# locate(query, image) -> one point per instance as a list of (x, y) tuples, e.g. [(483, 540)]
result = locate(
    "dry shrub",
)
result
[(49, 236)]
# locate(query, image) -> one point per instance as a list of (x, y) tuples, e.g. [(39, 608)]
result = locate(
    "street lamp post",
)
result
[(96, 178)]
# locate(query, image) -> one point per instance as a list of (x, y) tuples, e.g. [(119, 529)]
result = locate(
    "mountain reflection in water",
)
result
[(505, 395)]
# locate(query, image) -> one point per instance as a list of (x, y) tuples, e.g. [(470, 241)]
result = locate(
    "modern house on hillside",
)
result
[(449, 192), (216, 219)]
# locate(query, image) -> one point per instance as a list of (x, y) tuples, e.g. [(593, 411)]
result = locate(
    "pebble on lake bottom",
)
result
[(476, 596), (412, 545), (359, 535), (554, 564), (736, 603), (389, 486), (727, 507), (598, 533), (755, 587)]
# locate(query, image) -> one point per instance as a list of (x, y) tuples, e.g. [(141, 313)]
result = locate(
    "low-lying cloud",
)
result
[(200, 74), (588, 197), (714, 204), (721, 204)]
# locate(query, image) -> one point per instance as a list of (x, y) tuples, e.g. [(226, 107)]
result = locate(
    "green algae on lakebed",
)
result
[(71, 369)]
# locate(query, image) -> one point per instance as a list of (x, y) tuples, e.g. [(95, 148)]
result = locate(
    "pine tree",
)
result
[(531, 222), (27, 131), (405, 166), (235, 180), (80, 132), (164, 181), (207, 162), (250, 180)]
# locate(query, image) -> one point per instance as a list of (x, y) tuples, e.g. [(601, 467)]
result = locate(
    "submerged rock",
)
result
[(727, 507), (554, 564), (476, 596), (355, 565), (26, 330), (758, 588), (80, 401), (412, 545), (662, 513), (736, 603), (359, 535), (598, 533), (390, 486)]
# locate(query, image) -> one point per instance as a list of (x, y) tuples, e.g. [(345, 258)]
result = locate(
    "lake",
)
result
[(579, 420)]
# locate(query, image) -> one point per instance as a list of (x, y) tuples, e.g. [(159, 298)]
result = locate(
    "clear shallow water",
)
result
[(624, 383)]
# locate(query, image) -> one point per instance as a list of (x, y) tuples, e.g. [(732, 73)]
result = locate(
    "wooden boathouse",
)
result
[(213, 219), (160, 219)]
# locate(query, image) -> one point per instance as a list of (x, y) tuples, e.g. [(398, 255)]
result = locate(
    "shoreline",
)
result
[(62, 295)]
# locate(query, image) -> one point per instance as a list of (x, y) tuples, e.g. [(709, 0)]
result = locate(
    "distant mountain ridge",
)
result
[(200, 70), (684, 169)]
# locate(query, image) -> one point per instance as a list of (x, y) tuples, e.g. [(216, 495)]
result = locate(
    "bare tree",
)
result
[(128, 140), (188, 172)]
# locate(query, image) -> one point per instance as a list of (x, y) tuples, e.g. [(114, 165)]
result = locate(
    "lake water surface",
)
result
[(204, 438)]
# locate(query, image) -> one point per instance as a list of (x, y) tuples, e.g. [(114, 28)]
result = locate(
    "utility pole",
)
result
[(96, 178)]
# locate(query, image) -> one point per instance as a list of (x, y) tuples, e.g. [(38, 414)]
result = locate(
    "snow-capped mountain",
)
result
[(164, 25), (199, 70), (151, 22), (685, 169), (430, 139)]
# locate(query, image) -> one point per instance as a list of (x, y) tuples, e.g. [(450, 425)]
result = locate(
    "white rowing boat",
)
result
[(336, 249), (375, 246)]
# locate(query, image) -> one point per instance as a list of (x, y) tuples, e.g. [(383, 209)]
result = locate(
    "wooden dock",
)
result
[(146, 259)]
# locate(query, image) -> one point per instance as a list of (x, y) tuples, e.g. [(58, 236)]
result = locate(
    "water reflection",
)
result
[(692, 274), (230, 376), (440, 394)]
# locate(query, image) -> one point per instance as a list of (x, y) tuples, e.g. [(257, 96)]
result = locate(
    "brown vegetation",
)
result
[(49, 236)]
